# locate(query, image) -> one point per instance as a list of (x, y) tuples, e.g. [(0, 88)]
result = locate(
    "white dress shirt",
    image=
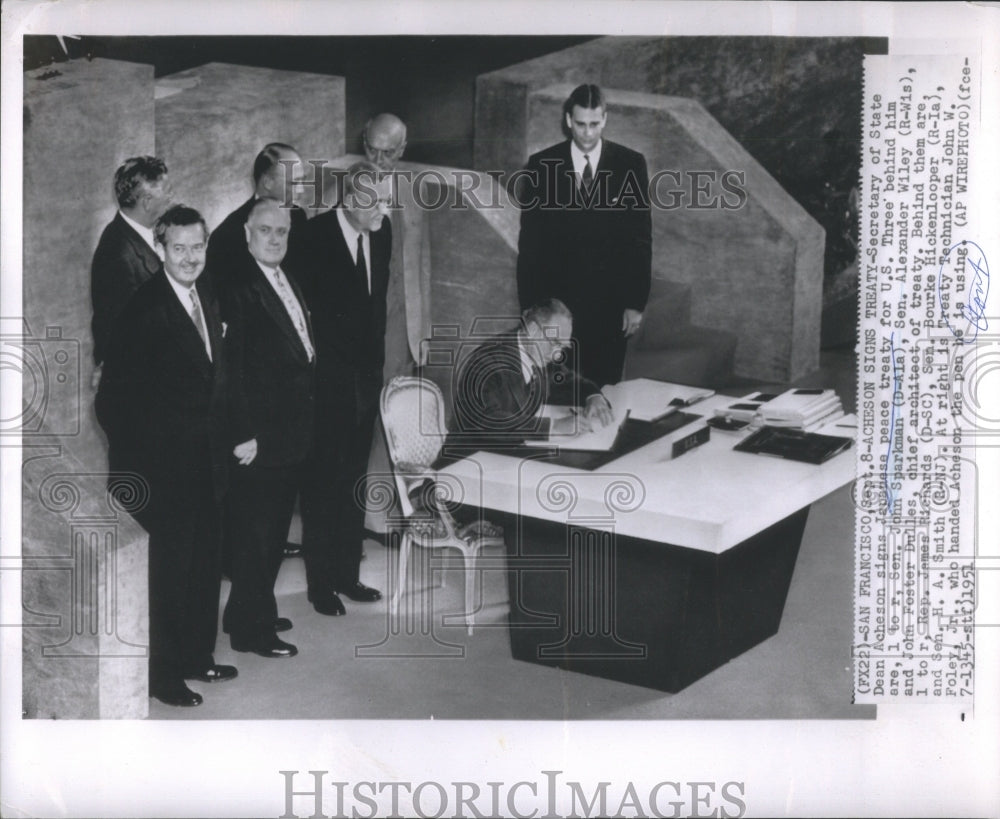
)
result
[(528, 366), (580, 161), (184, 297), (351, 234)]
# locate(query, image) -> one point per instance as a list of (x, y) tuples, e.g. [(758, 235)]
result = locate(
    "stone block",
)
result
[(84, 565), (755, 270), (78, 128), (777, 96), (211, 121), (793, 103), (84, 595)]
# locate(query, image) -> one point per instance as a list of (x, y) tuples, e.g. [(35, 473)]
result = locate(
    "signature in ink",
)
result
[(972, 317)]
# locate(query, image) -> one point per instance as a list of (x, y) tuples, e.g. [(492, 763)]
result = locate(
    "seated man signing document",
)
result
[(506, 382)]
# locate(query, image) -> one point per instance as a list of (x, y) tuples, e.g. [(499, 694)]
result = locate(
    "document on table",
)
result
[(600, 439), (650, 400)]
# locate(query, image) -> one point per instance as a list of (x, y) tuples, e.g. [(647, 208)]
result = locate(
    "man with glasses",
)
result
[(503, 384), (384, 140)]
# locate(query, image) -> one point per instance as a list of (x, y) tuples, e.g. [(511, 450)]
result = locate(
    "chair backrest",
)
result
[(413, 418)]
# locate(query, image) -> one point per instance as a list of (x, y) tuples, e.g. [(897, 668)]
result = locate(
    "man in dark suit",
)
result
[(504, 382), (162, 402), (586, 235), (277, 174), (348, 250), (271, 375), (126, 255)]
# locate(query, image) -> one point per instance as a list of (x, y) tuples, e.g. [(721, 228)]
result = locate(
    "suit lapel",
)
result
[(348, 263), (150, 261), (276, 309), (188, 338), (567, 176), (214, 324)]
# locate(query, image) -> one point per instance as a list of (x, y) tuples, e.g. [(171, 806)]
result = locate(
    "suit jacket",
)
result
[(227, 246), (348, 322), (595, 256), (271, 380), (493, 398), (162, 402), (122, 262)]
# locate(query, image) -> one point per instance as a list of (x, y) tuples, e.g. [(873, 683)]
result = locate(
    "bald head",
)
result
[(384, 140)]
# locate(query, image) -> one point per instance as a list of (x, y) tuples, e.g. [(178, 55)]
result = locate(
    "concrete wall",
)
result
[(212, 121), (755, 270), (793, 103), (776, 96), (467, 226), (84, 577)]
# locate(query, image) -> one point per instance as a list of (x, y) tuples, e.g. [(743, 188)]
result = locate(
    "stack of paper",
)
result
[(745, 408), (806, 409)]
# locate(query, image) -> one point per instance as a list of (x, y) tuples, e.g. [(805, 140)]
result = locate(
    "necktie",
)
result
[(198, 323), (588, 173), (359, 262), (294, 310), (535, 384)]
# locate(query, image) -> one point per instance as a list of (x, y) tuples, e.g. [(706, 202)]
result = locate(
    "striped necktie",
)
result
[(294, 310)]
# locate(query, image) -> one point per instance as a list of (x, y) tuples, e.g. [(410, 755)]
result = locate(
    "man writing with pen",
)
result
[(504, 383)]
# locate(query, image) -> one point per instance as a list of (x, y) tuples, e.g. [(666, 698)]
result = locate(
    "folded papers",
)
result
[(798, 408)]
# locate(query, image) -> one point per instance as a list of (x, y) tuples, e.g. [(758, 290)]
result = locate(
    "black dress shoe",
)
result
[(175, 694), (360, 593), (293, 549), (273, 647), (214, 673), (327, 603), (280, 624)]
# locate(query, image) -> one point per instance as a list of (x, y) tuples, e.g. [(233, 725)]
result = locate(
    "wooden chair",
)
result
[(413, 415)]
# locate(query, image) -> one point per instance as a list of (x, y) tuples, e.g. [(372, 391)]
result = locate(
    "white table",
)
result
[(648, 570)]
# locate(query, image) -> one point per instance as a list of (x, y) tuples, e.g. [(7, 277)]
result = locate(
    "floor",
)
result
[(423, 665)]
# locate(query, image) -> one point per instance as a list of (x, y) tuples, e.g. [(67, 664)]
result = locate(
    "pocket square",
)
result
[(224, 328)]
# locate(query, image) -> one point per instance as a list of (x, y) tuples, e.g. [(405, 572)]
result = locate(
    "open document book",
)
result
[(641, 399)]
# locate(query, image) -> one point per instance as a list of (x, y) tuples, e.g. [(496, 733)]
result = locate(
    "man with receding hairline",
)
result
[(271, 358), (348, 249), (278, 173), (504, 383), (384, 140)]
